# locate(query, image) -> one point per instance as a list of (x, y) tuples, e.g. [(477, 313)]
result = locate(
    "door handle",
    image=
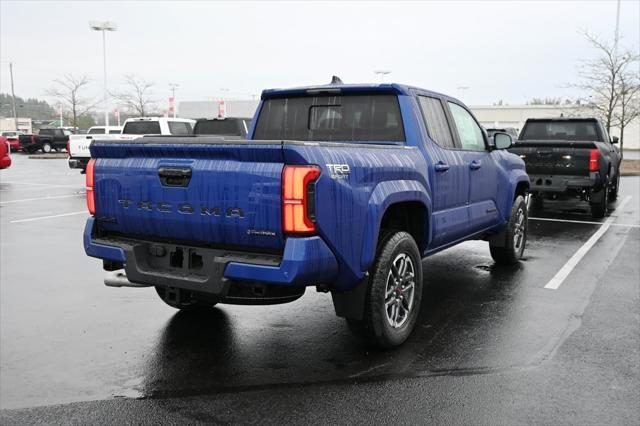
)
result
[(441, 167), (475, 165)]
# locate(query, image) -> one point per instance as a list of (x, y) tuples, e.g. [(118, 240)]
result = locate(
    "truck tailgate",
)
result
[(554, 158), (203, 191)]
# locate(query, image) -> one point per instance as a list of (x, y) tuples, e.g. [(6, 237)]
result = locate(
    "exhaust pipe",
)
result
[(118, 278)]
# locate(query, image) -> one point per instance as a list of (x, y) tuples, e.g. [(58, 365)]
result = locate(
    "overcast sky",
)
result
[(500, 50)]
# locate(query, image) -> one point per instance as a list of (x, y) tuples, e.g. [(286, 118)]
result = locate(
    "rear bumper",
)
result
[(78, 163), (305, 261), (559, 183)]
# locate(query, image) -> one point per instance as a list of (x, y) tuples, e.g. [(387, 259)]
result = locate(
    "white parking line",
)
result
[(564, 272), (41, 198), (48, 217), (39, 184), (547, 219)]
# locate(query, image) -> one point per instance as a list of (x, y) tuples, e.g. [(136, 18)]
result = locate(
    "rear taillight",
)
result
[(68, 149), (91, 198), (33, 139), (594, 158), (298, 199)]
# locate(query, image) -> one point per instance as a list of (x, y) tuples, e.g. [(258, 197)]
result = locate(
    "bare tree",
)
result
[(629, 103), (138, 96), (601, 78), (68, 89)]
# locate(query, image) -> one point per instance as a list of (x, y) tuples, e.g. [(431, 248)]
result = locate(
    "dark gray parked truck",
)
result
[(570, 157)]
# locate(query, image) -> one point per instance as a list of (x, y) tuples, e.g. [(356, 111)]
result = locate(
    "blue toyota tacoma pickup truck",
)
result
[(341, 187)]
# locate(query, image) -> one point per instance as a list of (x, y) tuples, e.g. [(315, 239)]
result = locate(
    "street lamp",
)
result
[(104, 26), (463, 89), (382, 73)]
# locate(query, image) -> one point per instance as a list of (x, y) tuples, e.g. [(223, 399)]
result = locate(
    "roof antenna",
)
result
[(336, 80)]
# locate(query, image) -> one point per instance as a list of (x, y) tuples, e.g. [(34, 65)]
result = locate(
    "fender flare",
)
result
[(514, 181), (382, 197)]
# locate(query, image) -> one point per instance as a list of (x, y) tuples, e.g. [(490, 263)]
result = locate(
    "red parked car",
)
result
[(5, 153), (13, 138)]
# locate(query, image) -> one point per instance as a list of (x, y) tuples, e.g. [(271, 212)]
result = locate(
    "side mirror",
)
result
[(502, 140), (614, 140)]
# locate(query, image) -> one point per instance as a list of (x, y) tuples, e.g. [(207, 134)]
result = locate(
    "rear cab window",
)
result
[(142, 128), (226, 127), (330, 118), (96, 131), (550, 130), (179, 128)]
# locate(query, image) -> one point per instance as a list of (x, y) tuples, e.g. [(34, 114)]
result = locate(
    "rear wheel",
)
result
[(599, 208), (394, 292), (537, 202), (516, 235), (182, 299), (46, 147), (613, 189)]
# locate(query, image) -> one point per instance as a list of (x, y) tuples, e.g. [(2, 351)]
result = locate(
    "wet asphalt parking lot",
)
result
[(492, 345)]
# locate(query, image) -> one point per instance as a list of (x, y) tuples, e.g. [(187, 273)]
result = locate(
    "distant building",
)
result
[(25, 125), (501, 116)]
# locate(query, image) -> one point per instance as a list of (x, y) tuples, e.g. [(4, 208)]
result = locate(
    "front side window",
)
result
[(341, 118), (470, 134), (436, 120)]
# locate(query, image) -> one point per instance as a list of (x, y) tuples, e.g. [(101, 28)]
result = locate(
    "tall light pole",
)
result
[(104, 26), (463, 89), (173, 87), (382, 73), (617, 35)]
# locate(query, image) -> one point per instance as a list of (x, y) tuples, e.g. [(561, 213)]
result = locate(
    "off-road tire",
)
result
[(516, 235), (599, 208), (537, 202), (613, 189), (375, 327)]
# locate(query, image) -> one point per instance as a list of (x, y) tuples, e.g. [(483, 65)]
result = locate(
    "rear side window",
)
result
[(47, 132), (225, 127), (469, 131), (141, 128), (114, 132), (560, 130), (344, 118), (96, 132), (436, 120), (179, 128)]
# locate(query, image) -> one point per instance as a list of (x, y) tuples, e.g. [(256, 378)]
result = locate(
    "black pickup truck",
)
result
[(570, 157), (233, 127), (46, 140)]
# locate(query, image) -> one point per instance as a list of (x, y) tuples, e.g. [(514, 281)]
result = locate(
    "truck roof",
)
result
[(185, 120), (563, 119), (395, 88)]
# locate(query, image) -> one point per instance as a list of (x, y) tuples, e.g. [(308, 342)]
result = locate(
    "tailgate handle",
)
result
[(544, 153), (175, 176)]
